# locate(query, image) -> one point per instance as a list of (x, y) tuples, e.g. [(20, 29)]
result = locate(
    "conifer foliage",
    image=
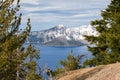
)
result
[(72, 62), (13, 63), (106, 47)]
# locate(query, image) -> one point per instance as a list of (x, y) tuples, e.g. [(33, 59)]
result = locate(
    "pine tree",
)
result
[(14, 59), (106, 47), (71, 62)]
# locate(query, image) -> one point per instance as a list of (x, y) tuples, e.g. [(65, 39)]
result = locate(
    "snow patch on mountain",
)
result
[(60, 31)]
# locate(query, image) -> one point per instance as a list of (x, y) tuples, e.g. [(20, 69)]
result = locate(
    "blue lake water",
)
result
[(50, 56)]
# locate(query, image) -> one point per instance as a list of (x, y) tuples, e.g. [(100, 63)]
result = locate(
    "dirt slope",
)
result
[(103, 72)]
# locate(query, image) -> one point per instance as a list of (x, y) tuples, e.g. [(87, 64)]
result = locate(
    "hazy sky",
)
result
[(45, 14)]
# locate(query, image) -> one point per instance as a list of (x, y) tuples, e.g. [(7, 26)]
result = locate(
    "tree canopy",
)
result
[(72, 62), (106, 46), (16, 61)]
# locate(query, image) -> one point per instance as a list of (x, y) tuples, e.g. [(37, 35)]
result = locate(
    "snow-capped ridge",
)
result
[(70, 34), (57, 28), (60, 26)]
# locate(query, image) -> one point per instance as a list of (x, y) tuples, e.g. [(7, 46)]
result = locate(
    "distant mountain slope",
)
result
[(62, 36), (103, 72), (62, 41)]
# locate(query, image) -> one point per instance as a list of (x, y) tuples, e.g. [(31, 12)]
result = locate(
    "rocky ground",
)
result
[(103, 72)]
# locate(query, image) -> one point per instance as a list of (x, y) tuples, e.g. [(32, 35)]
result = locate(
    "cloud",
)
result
[(35, 9), (66, 12), (33, 2)]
